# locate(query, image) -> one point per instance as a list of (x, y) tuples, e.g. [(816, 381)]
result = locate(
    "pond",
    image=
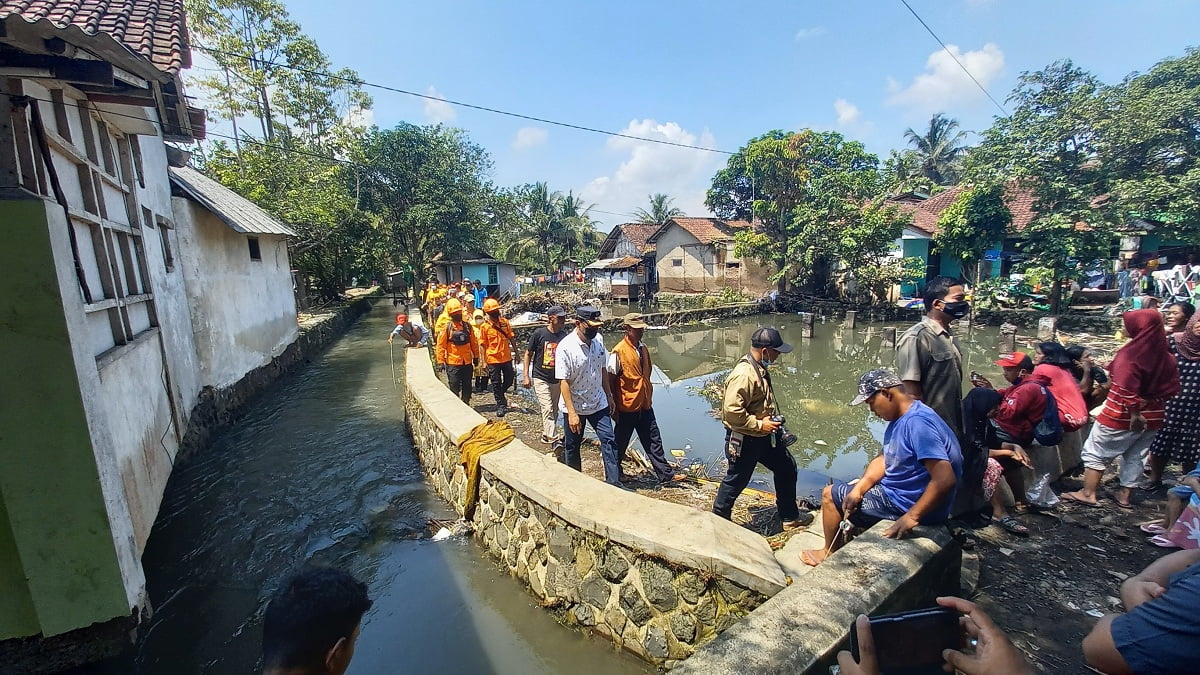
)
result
[(814, 385)]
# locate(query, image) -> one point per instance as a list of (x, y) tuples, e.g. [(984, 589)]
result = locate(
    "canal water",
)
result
[(814, 384), (322, 472)]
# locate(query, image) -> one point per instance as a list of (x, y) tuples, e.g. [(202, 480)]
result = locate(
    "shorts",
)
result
[(874, 507), (1182, 491)]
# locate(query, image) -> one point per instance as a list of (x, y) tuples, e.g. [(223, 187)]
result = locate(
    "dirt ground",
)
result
[(1044, 590)]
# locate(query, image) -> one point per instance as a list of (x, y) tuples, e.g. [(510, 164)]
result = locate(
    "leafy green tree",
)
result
[(812, 195), (938, 149), (428, 188), (661, 210), (550, 225), (1151, 145), (1050, 145), (901, 173), (977, 220)]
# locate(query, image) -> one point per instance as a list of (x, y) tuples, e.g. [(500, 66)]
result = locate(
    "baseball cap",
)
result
[(769, 337), (401, 318), (873, 381), (1015, 360), (635, 320), (556, 310), (589, 314)]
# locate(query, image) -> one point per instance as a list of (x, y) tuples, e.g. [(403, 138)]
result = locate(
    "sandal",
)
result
[(1011, 525), (1161, 541), (1070, 497), (1152, 527)]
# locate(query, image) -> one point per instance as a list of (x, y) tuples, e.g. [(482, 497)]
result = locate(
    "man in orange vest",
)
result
[(629, 371), (458, 349), (498, 342)]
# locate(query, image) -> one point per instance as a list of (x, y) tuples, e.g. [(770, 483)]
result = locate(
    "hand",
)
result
[(574, 422), (389, 339), (526, 382), (1021, 456), (994, 653), (1137, 422), (903, 525), (981, 381), (1136, 591), (851, 503), (769, 425), (868, 663)]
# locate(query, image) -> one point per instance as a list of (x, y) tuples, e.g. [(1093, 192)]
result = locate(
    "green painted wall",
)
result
[(17, 616), (49, 481), (915, 248)]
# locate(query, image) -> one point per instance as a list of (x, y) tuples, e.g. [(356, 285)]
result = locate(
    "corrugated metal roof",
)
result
[(614, 263), (239, 213)]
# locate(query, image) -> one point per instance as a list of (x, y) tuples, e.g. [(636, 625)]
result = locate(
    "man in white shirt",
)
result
[(586, 398)]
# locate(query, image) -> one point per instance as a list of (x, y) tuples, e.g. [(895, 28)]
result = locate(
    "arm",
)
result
[(1152, 581), (607, 385), (1100, 651), (525, 360), (908, 366), (573, 420), (1085, 385), (394, 331), (733, 406), (440, 350), (941, 482)]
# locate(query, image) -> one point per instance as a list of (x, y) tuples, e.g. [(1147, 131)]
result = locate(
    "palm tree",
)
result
[(660, 210), (552, 224), (901, 173), (938, 149)]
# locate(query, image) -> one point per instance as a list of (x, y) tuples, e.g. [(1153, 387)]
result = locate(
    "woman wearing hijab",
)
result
[(1179, 438), (1144, 376), (986, 459)]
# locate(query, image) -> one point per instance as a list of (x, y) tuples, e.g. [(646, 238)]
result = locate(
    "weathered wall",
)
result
[(656, 578), (243, 311), (697, 261)]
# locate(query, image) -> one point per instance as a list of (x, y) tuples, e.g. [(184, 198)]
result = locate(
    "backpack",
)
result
[(1049, 431), (460, 336)]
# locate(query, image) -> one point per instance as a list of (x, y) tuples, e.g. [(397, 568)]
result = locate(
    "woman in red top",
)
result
[(1055, 365), (1144, 376)]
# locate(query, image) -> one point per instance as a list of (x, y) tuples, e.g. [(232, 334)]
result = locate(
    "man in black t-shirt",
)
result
[(540, 354)]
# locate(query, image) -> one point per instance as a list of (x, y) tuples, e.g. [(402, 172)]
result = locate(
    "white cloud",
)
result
[(649, 168), (359, 117), (944, 85), (436, 109), (847, 112), (811, 32), (528, 137)]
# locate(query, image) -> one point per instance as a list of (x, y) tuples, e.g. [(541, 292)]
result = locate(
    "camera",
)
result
[(782, 435)]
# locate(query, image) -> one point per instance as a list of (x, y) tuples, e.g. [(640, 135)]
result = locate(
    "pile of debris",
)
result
[(539, 302)]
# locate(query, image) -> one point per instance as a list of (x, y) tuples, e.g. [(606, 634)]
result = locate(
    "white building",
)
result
[(121, 303)]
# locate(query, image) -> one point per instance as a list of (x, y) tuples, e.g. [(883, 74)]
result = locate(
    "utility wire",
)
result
[(363, 83), (951, 54)]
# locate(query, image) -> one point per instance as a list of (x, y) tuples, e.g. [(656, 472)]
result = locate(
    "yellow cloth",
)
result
[(489, 436)]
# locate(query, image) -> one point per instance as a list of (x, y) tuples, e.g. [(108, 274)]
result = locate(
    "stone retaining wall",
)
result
[(656, 578)]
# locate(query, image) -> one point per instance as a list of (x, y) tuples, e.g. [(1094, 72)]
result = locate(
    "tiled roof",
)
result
[(925, 213), (156, 29), (239, 213), (637, 233), (705, 230)]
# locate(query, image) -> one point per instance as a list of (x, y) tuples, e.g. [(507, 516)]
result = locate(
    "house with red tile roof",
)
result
[(696, 255), (625, 266)]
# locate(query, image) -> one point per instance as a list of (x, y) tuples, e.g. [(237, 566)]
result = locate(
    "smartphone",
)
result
[(911, 643)]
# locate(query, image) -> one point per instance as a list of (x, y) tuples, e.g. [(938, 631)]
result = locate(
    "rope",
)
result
[(392, 356)]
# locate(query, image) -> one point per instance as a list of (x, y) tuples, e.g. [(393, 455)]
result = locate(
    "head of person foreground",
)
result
[(312, 623)]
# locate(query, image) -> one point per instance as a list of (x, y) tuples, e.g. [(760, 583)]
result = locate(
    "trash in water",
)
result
[(820, 443), (443, 534), (678, 453)]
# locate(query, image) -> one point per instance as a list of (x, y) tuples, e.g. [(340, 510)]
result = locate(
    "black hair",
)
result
[(1076, 352), (309, 614), (1056, 355), (937, 288), (1187, 308)]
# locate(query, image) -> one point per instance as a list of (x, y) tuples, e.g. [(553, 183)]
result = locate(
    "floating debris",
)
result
[(821, 443)]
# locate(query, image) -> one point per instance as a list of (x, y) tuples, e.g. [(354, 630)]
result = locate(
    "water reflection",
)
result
[(814, 385)]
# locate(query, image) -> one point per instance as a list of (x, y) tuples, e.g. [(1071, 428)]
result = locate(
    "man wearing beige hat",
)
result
[(629, 370)]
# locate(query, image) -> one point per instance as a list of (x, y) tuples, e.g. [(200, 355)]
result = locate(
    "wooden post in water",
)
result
[(887, 337), (806, 324), (1046, 327), (1007, 343), (851, 319)]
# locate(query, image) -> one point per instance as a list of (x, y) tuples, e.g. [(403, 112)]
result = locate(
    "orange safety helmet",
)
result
[(491, 305), (453, 306)]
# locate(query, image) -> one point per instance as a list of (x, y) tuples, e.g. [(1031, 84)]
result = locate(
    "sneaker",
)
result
[(547, 440), (804, 520)]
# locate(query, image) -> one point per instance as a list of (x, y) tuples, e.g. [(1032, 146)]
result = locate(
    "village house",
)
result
[(133, 286), (499, 277), (625, 268), (695, 255)]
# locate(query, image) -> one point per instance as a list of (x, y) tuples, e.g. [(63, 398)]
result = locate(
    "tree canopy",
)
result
[(937, 150), (661, 210)]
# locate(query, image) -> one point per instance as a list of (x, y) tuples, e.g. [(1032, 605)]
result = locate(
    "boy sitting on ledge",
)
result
[(912, 482)]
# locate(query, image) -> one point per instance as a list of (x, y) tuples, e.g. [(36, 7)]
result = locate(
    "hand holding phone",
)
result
[(908, 643)]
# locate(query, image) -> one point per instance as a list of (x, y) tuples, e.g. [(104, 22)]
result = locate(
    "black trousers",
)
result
[(502, 376), (646, 426), (459, 379), (758, 450)]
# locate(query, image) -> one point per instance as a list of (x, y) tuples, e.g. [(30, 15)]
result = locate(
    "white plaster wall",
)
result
[(625, 247), (243, 312), (695, 274)]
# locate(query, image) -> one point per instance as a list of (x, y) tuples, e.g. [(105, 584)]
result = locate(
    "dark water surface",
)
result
[(322, 472), (814, 384)]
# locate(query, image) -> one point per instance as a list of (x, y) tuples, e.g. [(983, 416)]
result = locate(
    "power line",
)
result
[(497, 111), (951, 54)]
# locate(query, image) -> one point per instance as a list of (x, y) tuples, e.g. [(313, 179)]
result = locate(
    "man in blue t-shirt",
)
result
[(912, 482)]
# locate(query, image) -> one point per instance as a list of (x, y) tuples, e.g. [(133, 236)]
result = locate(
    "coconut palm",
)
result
[(660, 210), (938, 149), (552, 224), (901, 173)]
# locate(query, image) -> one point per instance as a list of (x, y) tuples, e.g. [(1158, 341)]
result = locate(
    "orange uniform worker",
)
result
[(499, 343), (458, 349)]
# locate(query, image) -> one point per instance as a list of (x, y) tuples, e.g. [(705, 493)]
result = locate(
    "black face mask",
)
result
[(956, 309), (590, 332)]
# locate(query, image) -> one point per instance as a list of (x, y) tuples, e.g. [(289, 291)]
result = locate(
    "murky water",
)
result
[(322, 472), (814, 384)]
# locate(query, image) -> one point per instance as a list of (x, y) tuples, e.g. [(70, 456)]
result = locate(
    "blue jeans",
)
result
[(603, 425)]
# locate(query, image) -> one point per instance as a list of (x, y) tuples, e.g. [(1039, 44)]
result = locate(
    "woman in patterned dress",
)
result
[(1179, 438)]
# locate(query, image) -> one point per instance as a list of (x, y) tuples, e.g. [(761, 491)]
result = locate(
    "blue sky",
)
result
[(713, 73)]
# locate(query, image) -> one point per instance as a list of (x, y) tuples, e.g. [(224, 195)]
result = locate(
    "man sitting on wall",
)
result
[(312, 623), (912, 482)]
